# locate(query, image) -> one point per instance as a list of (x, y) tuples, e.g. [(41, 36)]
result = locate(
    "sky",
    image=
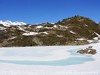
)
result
[(40, 11)]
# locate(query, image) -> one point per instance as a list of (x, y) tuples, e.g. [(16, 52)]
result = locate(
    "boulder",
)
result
[(87, 51)]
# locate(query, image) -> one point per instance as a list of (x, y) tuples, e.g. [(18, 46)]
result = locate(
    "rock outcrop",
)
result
[(87, 51)]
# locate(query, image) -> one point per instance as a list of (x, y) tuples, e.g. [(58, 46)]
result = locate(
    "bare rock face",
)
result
[(87, 51)]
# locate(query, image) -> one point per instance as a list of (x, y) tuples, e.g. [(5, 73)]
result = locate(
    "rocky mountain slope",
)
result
[(77, 30)]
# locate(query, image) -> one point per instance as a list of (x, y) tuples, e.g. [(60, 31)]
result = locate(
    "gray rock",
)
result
[(87, 51)]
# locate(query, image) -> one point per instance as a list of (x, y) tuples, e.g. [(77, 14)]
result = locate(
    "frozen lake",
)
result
[(42, 56), (49, 60)]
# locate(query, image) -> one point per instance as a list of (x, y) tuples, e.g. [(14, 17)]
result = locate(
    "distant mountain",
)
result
[(77, 30), (9, 23)]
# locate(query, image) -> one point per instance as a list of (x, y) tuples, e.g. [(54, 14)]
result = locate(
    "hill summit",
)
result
[(76, 30)]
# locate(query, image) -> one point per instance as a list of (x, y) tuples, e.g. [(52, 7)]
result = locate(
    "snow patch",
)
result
[(97, 34), (55, 26), (95, 38), (45, 32), (48, 27), (13, 38), (2, 28), (90, 41), (30, 33), (59, 35), (9, 23), (61, 26), (39, 27), (72, 32), (81, 39), (22, 29)]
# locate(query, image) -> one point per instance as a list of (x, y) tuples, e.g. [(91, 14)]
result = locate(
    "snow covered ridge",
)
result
[(9, 23)]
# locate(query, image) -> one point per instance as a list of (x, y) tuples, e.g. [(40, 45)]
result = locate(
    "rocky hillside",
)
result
[(77, 30)]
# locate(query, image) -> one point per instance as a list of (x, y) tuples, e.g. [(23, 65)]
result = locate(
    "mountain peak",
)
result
[(81, 20), (8, 23)]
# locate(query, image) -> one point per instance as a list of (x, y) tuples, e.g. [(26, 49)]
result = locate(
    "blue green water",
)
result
[(68, 61), (75, 59)]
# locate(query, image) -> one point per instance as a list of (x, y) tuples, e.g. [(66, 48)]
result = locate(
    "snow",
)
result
[(48, 27), (39, 27), (90, 41), (54, 53), (72, 32), (61, 26), (9, 23), (97, 34), (52, 23), (13, 37), (81, 39), (20, 28), (44, 32), (55, 26), (95, 38), (66, 27), (18, 23), (86, 25), (43, 55), (2, 28), (30, 33), (89, 50), (2, 52), (59, 35)]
